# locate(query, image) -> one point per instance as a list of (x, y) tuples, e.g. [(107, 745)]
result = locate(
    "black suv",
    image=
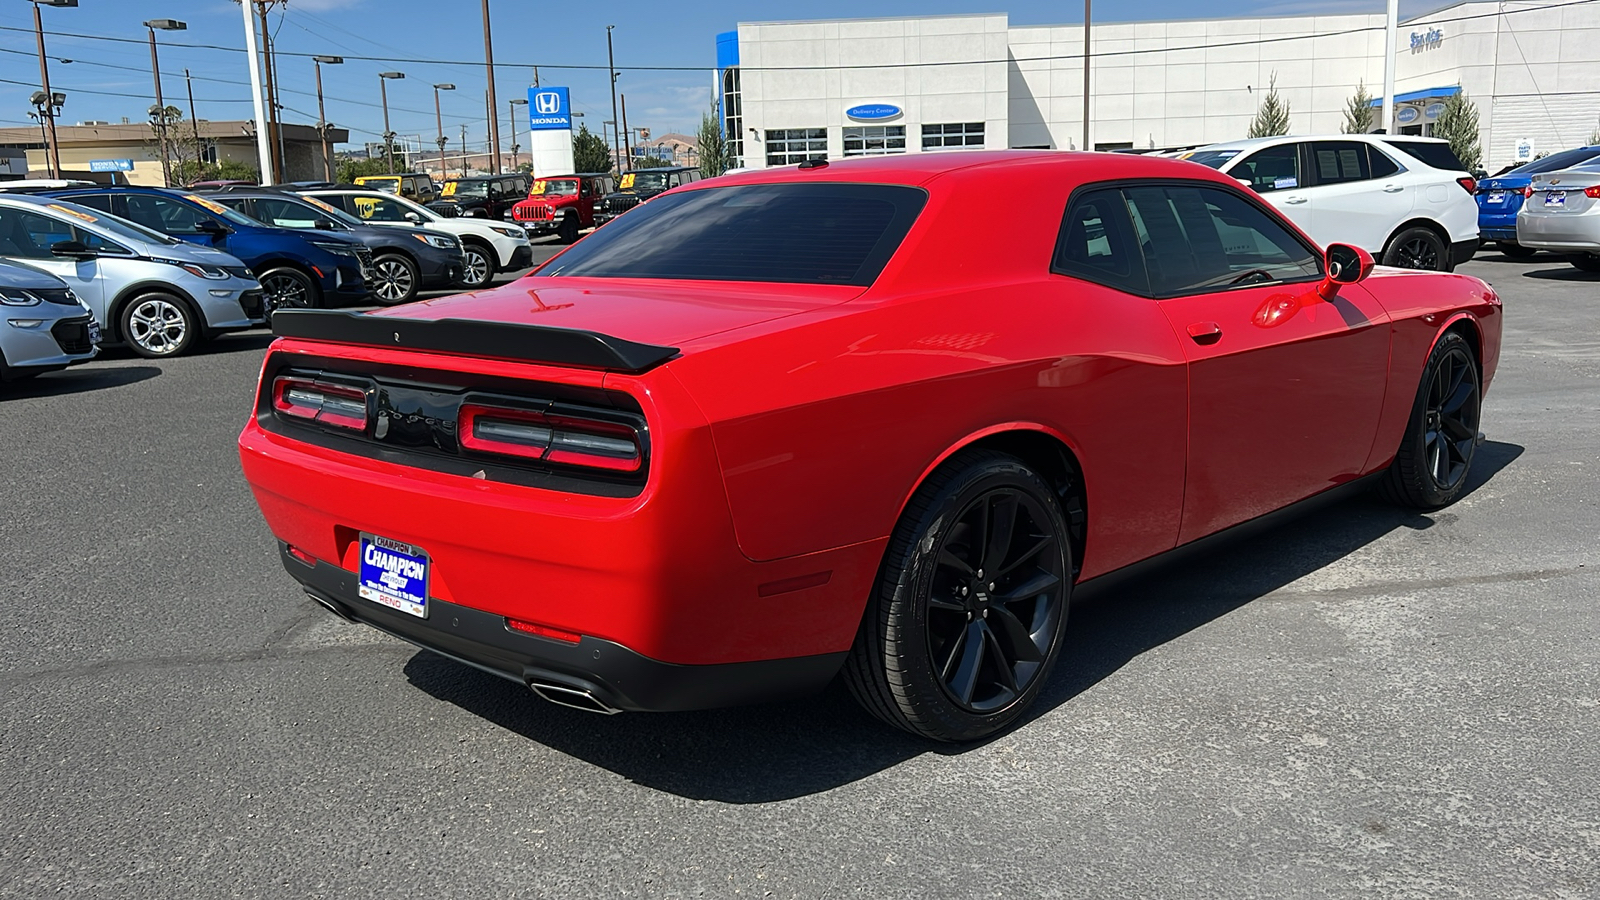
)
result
[(635, 187), (404, 260), (483, 197)]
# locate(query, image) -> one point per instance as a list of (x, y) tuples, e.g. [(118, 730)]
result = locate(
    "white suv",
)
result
[(1406, 200), (489, 247)]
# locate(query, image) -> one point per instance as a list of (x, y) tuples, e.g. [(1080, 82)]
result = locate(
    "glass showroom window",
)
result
[(874, 140), (733, 113), (945, 137), (787, 146)]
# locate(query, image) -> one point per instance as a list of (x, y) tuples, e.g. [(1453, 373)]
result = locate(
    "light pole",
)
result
[(611, 61), (322, 117), (53, 154), (514, 147), (1086, 58), (463, 150), (611, 141), (46, 107), (388, 136), (494, 121), (438, 119), (155, 72)]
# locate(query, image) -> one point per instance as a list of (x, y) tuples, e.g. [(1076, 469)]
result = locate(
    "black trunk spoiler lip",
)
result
[(473, 337)]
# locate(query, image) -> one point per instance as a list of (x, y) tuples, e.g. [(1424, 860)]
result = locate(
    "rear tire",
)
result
[(1586, 262), (1418, 248), (1515, 250), (966, 621), (1441, 438)]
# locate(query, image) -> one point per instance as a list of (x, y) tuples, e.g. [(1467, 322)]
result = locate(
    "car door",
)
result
[(1284, 388), (1348, 205), (26, 236), (171, 217), (1276, 173)]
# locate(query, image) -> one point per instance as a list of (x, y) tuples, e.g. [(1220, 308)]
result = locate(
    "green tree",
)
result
[(652, 162), (1458, 124), (351, 169), (1272, 116), (1594, 136), (589, 151), (713, 145), (190, 171), (1358, 111)]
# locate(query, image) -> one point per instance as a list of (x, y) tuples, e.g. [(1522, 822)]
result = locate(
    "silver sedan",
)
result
[(1562, 213)]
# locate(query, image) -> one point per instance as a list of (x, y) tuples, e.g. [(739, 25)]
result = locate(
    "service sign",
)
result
[(1405, 115), (549, 109), (111, 165), (874, 112)]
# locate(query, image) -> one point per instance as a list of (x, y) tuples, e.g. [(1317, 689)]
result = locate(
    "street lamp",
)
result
[(52, 160), (322, 118), (388, 136), (514, 146), (155, 72), (438, 119)]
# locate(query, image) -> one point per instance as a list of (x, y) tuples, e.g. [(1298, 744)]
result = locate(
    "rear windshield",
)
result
[(818, 233), (1439, 155), (1555, 162), (1213, 158)]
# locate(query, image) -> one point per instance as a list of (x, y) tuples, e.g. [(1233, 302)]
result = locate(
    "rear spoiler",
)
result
[(472, 337)]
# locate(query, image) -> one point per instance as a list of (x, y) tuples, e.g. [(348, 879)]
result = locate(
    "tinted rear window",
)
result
[(817, 233), (1439, 156), (1555, 162)]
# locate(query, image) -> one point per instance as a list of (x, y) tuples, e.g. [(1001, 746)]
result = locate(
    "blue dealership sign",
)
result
[(874, 112), (549, 109), (111, 165)]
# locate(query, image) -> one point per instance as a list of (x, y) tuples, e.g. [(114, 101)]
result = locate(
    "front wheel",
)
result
[(1516, 250), (157, 326), (1441, 438), (1418, 248), (479, 268), (967, 619), (1586, 262), (396, 280), (288, 288)]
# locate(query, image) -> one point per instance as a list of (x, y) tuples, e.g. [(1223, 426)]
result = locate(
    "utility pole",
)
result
[(494, 121), (513, 103), (388, 135), (627, 136), (322, 116), (274, 143), (194, 123), (438, 119), (53, 156), (263, 146), (1086, 58), (161, 104), (463, 149), (611, 62)]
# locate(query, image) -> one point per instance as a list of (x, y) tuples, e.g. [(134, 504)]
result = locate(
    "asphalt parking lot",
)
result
[(1364, 702)]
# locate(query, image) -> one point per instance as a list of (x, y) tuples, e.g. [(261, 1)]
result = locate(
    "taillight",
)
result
[(1527, 192), (326, 403), (1468, 184), (1592, 191), (554, 438)]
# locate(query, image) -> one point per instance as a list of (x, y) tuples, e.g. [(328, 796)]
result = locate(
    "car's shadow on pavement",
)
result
[(1567, 272), (779, 751), (76, 380)]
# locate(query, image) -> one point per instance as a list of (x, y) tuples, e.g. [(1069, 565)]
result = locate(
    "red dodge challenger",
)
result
[(794, 422)]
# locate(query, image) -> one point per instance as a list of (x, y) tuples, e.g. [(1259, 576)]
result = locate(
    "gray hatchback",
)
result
[(43, 324)]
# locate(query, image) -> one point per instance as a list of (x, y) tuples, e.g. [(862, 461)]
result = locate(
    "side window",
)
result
[(585, 188), (674, 180), (101, 202), (1272, 169), (1337, 162), (284, 214), (373, 209), (1381, 166), (1096, 243), (96, 242), (29, 235), (164, 215), (1198, 238)]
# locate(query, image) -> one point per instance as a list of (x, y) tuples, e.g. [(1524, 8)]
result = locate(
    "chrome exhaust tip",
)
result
[(329, 605), (577, 698)]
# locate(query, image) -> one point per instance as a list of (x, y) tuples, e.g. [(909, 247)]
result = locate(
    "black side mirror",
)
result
[(324, 224), (72, 250), (212, 227)]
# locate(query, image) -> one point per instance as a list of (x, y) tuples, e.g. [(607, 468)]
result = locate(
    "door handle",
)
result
[(1205, 332), (1295, 199), (1393, 188)]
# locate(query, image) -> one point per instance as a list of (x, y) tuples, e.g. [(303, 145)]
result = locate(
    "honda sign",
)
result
[(549, 109)]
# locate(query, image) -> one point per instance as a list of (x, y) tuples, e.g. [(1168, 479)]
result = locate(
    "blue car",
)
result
[(296, 268), (1499, 198)]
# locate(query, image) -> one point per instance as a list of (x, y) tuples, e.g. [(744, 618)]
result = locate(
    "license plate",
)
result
[(395, 574), (1555, 198), (94, 332), (1497, 196)]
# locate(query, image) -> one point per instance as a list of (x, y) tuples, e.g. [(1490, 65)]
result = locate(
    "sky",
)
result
[(441, 41)]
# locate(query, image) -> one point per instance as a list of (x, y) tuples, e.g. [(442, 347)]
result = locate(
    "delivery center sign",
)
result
[(549, 109)]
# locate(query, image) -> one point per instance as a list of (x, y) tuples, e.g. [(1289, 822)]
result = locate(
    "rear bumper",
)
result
[(615, 676), (1498, 233), (1573, 232), (521, 258), (1461, 251)]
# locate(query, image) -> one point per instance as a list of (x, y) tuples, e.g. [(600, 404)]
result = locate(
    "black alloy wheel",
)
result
[(287, 288), (1418, 248), (1435, 456), (967, 620)]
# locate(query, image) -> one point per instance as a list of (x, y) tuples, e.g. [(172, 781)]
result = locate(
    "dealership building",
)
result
[(859, 87)]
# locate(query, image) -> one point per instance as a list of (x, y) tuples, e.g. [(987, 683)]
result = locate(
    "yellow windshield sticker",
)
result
[(449, 189), (318, 203), (75, 213), (626, 182), (537, 189), (366, 206), (211, 205)]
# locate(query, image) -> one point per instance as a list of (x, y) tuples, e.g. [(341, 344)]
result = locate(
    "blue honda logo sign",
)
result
[(874, 112), (549, 109), (111, 165)]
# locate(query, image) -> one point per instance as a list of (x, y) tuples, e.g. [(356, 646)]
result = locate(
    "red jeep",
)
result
[(561, 204)]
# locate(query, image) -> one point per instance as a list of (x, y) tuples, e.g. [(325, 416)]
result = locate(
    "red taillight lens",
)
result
[(1469, 184), (552, 438), (1593, 191), (1527, 192), (325, 403)]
